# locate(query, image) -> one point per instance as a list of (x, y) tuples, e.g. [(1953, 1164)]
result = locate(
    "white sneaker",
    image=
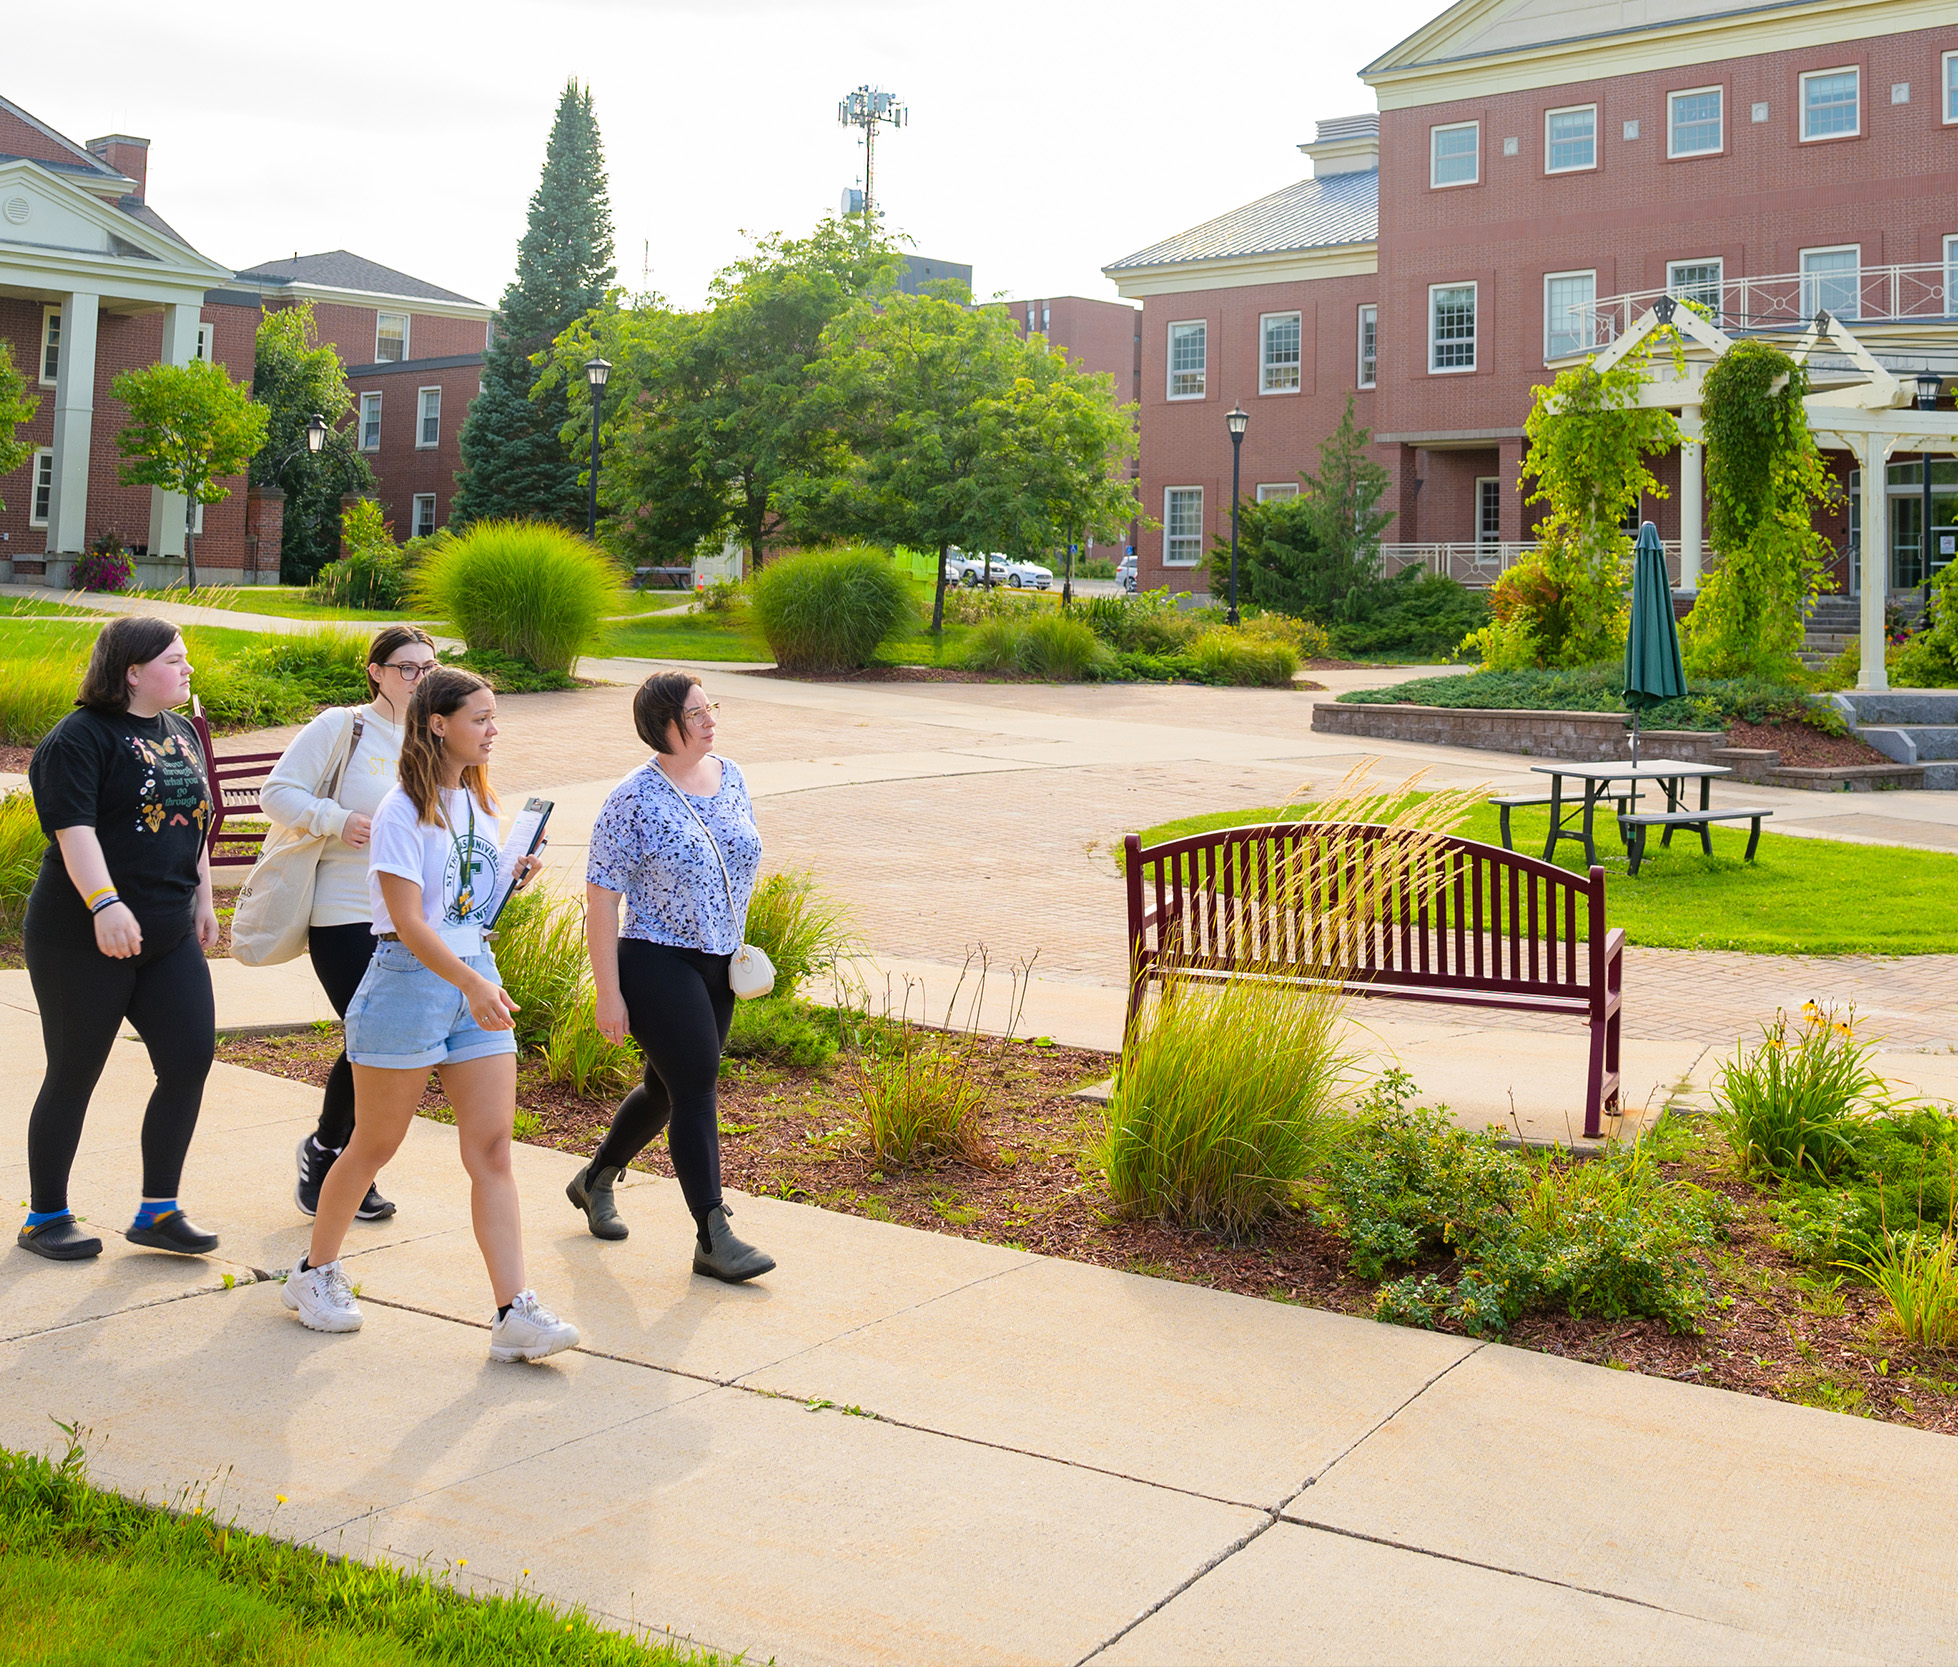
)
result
[(322, 1298), (529, 1331)]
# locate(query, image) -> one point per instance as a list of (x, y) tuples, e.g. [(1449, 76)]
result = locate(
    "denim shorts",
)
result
[(404, 1018)]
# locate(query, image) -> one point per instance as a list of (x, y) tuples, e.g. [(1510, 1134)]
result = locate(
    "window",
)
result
[(1696, 280), (1453, 154), (1695, 122), (1451, 327), (1629, 521), (43, 505), (1188, 350), (1278, 358), (1832, 280), (1272, 490), (1570, 139), (1182, 526), (197, 520), (370, 422), (1829, 104), (1369, 346), (1951, 86), (390, 338), (428, 429), (424, 519), (1569, 300), (50, 345), (206, 343), (1951, 277), (1046, 315), (1488, 510)]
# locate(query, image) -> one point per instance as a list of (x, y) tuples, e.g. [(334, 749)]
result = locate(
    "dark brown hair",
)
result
[(386, 641), (438, 693), (662, 700), (131, 640)]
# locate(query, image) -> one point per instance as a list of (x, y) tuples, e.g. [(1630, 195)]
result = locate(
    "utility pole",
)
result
[(865, 108)]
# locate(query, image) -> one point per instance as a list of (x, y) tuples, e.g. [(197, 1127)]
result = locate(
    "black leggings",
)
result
[(340, 955), (679, 1006), (84, 996)]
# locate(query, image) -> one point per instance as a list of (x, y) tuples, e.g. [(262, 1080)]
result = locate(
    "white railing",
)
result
[(1475, 564), (1790, 300)]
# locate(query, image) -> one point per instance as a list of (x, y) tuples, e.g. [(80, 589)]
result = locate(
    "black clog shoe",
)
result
[(60, 1240), (176, 1232)]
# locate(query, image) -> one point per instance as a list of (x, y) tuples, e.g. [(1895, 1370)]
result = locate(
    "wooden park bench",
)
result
[(663, 578), (1499, 930), (235, 783), (1634, 824)]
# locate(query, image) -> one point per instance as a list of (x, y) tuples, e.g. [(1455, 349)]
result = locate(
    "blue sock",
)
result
[(40, 1218), (150, 1214)]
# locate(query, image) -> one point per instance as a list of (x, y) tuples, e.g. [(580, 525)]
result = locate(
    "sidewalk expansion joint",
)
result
[(1369, 1434), (239, 1281), (1271, 1520)]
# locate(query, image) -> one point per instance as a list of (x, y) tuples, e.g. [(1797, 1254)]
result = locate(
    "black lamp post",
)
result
[(1237, 420), (1928, 384), (596, 371)]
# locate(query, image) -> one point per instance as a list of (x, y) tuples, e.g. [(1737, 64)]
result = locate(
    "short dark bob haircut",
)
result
[(131, 640), (662, 702)]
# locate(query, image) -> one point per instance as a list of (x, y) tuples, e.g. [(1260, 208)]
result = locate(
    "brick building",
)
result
[(93, 281), (1537, 172)]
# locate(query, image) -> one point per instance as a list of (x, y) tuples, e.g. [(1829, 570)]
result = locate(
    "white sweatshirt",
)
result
[(291, 799)]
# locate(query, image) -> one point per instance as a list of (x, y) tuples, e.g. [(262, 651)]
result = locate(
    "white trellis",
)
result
[(1865, 411)]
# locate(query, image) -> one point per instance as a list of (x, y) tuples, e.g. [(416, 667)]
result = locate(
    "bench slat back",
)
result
[(235, 783), (1230, 900)]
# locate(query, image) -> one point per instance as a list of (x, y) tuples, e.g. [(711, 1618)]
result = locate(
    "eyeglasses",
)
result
[(410, 669), (694, 712)]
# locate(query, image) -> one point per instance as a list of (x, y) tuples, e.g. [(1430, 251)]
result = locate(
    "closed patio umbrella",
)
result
[(1654, 671)]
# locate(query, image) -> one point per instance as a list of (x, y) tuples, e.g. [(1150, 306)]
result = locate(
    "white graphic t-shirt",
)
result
[(454, 861)]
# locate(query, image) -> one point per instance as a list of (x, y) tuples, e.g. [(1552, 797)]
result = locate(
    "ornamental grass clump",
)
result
[(830, 610), (36, 693), (21, 846), (527, 589), (540, 954), (1800, 1106), (803, 932), (1918, 1279), (1225, 656)]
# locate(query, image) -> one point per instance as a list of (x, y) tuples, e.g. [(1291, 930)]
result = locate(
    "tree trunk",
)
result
[(938, 596), (1067, 582), (190, 542)]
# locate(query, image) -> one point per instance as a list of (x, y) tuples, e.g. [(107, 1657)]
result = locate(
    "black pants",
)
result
[(679, 1006), (84, 996), (340, 955)]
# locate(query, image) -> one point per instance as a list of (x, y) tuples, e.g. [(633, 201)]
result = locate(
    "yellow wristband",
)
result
[(102, 891)]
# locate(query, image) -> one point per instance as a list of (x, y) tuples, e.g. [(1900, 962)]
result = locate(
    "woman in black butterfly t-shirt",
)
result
[(117, 926)]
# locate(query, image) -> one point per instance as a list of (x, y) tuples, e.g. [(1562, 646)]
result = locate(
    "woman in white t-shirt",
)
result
[(432, 997), (340, 933)]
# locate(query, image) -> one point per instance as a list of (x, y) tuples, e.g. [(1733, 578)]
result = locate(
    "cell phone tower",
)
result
[(865, 108)]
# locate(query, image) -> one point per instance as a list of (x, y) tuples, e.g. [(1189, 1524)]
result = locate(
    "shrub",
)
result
[(1417, 615), (106, 567), (801, 931), (1222, 1101), (21, 846), (523, 588), (1094, 567), (994, 645), (918, 1099), (36, 694), (1904, 1180), (278, 680), (1801, 1107), (506, 674), (974, 605), (1149, 622), (1920, 1283), (782, 1031), (370, 572), (540, 952), (1059, 650), (1225, 656), (829, 610), (723, 596)]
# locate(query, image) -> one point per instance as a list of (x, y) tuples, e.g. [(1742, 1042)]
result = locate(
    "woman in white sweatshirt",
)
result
[(340, 935)]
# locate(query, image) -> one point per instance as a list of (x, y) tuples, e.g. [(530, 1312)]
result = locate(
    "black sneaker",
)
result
[(313, 1165), (374, 1207)]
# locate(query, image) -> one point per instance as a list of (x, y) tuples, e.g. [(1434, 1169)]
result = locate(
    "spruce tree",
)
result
[(513, 461)]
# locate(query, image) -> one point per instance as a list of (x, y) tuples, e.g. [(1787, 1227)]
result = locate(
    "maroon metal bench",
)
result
[(1500, 929), (235, 783)]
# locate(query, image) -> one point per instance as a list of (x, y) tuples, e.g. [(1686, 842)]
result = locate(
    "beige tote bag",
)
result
[(275, 904)]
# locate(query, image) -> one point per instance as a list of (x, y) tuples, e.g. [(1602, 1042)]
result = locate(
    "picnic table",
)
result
[(1601, 781)]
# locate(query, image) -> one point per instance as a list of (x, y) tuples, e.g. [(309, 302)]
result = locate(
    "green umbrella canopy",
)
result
[(1653, 669)]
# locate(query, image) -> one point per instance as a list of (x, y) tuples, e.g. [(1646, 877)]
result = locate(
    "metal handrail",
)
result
[(1921, 292), (1476, 563)]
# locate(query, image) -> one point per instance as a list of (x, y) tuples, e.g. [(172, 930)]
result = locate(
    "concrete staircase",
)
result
[(1913, 726), (1836, 621)]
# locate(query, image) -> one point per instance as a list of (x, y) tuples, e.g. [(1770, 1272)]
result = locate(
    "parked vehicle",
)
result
[(962, 569), (1125, 573)]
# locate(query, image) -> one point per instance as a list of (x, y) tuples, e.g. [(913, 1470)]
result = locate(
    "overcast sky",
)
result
[(1046, 139)]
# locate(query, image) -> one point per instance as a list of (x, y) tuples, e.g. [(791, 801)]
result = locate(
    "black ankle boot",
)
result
[(720, 1255), (591, 1191)]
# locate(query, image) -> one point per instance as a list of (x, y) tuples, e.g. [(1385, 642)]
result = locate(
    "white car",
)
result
[(1028, 575), (1125, 573)]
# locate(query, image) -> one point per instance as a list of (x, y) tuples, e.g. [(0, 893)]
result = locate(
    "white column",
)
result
[(74, 421), (1691, 513), (1874, 454), (166, 540)]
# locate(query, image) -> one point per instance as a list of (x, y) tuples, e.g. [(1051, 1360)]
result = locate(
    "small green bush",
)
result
[(803, 932), (1059, 650), (506, 674), (370, 571), (1903, 1180), (1801, 1105), (577, 1054), (1149, 622), (917, 1098), (37, 693), (782, 1031), (974, 605), (21, 846), (1919, 1281), (279, 679), (540, 953), (527, 589), (830, 610), (1417, 615), (994, 645), (1224, 656)]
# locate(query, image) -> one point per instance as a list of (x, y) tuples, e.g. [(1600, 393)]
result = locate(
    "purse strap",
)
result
[(709, 832), (351, 744)]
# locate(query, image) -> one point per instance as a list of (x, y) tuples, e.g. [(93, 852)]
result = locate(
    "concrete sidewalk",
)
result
[(907, 1448)]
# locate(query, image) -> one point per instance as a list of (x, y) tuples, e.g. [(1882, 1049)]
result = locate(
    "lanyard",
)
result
[(466, 858)]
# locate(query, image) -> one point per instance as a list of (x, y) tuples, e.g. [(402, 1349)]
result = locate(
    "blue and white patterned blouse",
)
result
[(647, 845)]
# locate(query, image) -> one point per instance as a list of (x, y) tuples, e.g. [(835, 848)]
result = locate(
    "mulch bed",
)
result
[(13, 760), (1803, 747), (951, 674), (1776, 1330)]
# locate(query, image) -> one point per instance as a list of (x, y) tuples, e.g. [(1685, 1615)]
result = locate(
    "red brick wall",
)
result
[(351, 330), (401, 468)]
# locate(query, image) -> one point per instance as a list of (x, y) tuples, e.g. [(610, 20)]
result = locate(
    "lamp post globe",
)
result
[(1237, 420), (315, 433), (597, 370)]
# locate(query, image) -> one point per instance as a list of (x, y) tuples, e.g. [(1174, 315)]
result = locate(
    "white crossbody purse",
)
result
[(750, 973)]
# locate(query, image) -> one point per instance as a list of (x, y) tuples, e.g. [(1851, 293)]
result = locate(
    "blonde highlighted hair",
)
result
[(439, 694)]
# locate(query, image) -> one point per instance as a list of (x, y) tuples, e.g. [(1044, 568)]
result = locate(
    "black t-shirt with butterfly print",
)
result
[(140, 784)]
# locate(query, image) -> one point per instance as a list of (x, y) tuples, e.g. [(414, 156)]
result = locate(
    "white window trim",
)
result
[(1948, 87), (407, 326), (205, 343), (422, 443), (197, 520), (1197, 561), (1360, 378), (415, 514), (1590, 272), (1476, 534), (1695, 92), (360, 412), (1276, 491), (1454, 127), (1801, 103), (1475, 288), (1264, 367), (34, 485), (50, 319), (1169, 365), (1717, 262), (1802, 275), (1590, 167)]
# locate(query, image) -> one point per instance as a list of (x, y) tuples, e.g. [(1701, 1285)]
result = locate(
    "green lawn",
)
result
[(90, 1579), (281, 601), (1798, 897), (27, 607)]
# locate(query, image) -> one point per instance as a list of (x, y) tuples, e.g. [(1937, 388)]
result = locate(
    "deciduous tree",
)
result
[(17, 405), (294, 375)]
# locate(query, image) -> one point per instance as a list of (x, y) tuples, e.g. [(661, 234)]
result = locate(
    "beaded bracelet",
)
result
[(102, 902), (99, 891)]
